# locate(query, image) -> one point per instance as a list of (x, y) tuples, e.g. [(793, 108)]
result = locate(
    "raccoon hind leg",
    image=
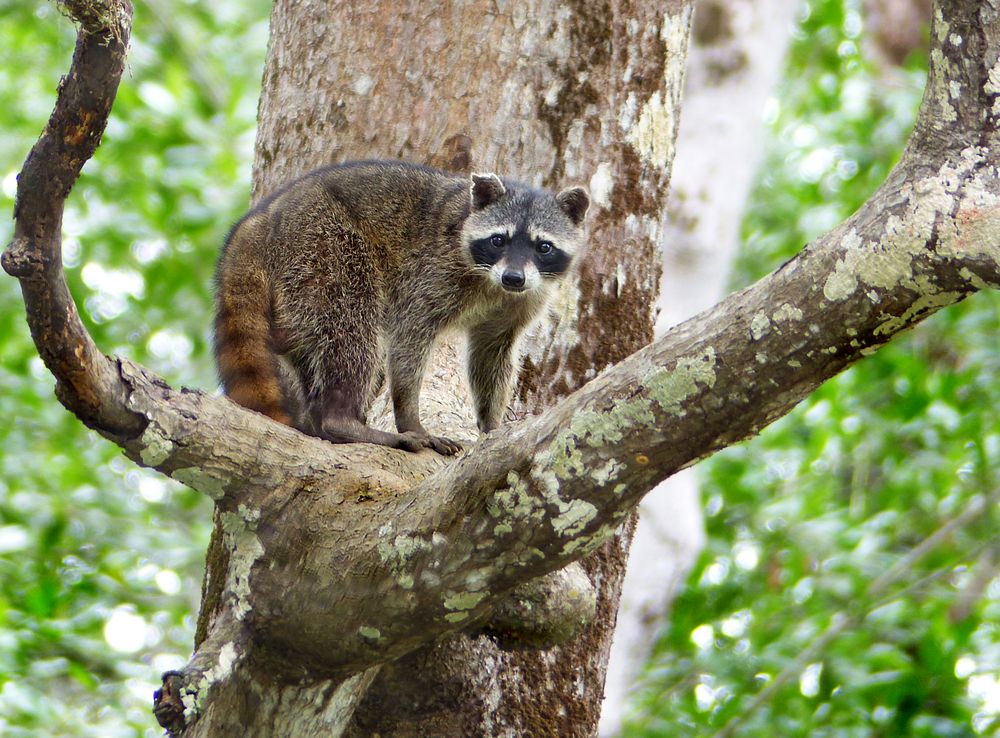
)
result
[(340, 403)]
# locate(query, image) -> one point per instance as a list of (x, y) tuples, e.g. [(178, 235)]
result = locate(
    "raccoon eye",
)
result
[(545, 247), (497, 240)]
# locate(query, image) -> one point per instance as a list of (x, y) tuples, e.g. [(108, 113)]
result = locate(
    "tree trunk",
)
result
[(541, 92), (734, 62)]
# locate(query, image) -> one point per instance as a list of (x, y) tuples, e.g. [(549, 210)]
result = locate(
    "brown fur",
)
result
[(351, 272)]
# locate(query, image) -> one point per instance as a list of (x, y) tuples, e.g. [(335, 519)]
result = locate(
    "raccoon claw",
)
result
[(445, 446), (414, 441)]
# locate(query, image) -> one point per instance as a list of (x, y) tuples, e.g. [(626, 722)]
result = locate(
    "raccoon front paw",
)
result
[(414, 441)]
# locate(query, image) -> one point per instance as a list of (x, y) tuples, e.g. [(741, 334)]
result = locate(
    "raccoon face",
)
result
[(523, 238)]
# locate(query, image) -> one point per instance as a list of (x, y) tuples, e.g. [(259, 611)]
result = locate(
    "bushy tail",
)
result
[(244, 351)]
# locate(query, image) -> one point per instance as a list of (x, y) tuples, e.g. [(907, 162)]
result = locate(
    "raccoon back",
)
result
[(376, 231)]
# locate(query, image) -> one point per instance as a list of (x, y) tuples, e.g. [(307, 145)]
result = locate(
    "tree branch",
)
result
[(86, 381)]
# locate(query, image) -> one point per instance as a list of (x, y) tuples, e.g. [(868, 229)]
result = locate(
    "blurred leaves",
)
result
[(803, 519), (100, 563)]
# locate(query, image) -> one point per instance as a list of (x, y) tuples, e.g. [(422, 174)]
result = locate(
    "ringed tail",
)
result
[(244, 350)]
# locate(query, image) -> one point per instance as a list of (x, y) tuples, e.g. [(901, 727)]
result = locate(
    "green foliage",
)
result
[(100, 563), (805, 518)]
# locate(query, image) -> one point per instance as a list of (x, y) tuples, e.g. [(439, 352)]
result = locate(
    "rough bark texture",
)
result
[(340, 560), (734, 62)]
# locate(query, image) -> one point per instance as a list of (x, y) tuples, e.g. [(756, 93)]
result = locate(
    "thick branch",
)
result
[(240, 457)]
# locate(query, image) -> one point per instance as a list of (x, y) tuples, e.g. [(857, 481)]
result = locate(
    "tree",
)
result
[(331, 562)]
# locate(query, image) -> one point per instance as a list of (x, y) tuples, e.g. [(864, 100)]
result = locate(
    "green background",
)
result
[(89, 543), (100, 562)]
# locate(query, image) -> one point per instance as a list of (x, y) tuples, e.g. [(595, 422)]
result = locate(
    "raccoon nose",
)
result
[(513, 280)]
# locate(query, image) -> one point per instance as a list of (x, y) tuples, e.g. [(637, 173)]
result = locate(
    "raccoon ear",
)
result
[(574, 201), (486, 189)]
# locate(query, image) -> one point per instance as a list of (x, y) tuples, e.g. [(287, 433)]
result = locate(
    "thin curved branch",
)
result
[(86, 381)]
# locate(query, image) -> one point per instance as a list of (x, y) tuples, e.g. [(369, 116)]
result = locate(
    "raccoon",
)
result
[(350, 273)]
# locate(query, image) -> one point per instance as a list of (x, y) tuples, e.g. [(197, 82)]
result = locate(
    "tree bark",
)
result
[(331, 562)]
